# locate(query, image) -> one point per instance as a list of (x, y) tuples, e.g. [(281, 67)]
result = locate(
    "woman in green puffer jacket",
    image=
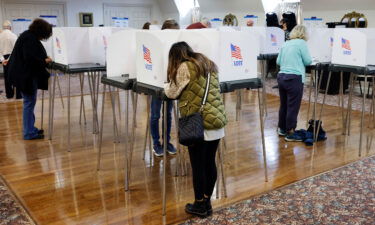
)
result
[(187, 73)]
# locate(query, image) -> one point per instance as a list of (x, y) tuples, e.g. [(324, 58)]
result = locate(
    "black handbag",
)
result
[(190, 128)]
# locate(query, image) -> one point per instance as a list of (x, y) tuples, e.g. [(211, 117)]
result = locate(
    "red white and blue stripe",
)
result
[(236, 52)]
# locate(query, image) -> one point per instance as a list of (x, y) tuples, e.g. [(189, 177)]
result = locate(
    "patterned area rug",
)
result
[(11, 210), (342, 196)]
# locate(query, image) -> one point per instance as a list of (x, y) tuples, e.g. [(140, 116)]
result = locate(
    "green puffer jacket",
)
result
[(214, 115)]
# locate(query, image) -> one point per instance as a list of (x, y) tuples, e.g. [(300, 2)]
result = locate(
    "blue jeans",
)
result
[(155, 116), (29, 130), (291, 92)]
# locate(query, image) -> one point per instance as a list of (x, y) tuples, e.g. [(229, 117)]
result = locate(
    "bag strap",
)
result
[(204, 99)]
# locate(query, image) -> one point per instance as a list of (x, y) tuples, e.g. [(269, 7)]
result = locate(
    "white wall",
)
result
[(74, 7), (240, 16), (336, 15)]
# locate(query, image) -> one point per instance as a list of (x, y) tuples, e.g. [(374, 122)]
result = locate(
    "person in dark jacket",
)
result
[(27, 68)]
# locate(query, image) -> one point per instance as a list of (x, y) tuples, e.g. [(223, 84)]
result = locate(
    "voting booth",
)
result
[(271, 39), (238, 52), (320, 42), (74, 45), (152, 55), (354, 47), (98, 42), (205, 41), (120, 54), (48, 46), (70, 45)]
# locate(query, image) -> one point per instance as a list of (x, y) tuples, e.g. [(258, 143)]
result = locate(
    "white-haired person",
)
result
[(7, 41), (204, 23), (293, 58)]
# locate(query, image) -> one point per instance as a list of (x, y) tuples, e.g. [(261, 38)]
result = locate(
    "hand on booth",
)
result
[(48, 60), (5, 62)]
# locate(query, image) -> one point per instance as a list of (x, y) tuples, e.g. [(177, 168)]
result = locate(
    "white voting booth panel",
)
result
[(271, 38), (354, 47), (120, 54), (238, 56), (98, 42), (234, 52), (48, 46), (205, 41), (73, 45), (152, 55), (70, 45), (320, 42)]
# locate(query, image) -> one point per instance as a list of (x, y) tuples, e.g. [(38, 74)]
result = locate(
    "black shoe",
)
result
[(38, 136), (41, 131), (208, 206), (197, 208)]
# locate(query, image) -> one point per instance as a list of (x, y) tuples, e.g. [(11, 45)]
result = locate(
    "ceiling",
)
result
[(325, 5)]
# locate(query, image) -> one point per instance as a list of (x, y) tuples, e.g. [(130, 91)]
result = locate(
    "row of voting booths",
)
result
[(137, 61), (342, 56)]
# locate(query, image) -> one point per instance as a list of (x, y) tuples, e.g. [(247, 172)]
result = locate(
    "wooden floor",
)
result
[(59, 187)]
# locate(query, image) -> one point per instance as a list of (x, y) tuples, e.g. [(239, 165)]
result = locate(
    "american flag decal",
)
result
[(273, 38), (345, 44), (58, 45), (147, 55), (105, 41), (236, 52)]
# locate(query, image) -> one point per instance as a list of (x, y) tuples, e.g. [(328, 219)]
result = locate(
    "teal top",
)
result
[(293, 58)]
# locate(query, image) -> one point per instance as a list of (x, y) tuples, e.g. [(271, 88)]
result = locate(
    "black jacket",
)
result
[(27, 64)]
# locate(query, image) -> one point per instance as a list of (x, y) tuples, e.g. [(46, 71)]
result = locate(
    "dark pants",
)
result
[(291, 92), (9, 88), (29, 101), (202, 159), (156, 105)]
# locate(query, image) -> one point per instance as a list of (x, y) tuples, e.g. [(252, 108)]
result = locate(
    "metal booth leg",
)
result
[(101, 131), (116, 138), (261, 117), (42, 113), (127, 161), (322, 108), (147, 126), (362, 118), (353, 77), (165, 112), (69, 146), (312, 81), (60, 92), (82, 109), (52, 108)]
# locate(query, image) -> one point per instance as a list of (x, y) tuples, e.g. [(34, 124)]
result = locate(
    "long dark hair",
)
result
[(41, 29), (170, 24), (146, 26), (181, 52)]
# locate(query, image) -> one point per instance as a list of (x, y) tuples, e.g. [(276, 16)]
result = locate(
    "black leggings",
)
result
[(202, 159)]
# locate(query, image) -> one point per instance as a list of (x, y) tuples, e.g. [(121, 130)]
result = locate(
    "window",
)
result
[(271, 5), (185, 6)]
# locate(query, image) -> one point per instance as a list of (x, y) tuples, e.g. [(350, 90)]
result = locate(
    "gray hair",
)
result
[(7, 24), (205, 21), (299, 32)]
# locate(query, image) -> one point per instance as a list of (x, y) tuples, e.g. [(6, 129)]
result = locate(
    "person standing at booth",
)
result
[(27, 68), (188, 73), (7, 41), (155, 112), (293, 58), (204, 23)]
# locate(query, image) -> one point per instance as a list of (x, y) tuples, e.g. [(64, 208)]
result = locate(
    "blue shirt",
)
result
[(293, 58)]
